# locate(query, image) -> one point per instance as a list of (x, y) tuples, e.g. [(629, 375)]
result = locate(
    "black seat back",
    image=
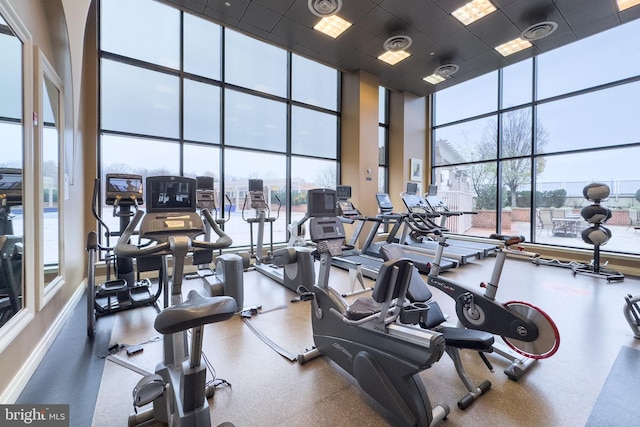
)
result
[(418, 290), (389, 286)]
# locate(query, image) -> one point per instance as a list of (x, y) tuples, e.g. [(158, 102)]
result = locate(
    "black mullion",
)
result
[(289, 154), (534, 154), (222, 146), (181, 97)]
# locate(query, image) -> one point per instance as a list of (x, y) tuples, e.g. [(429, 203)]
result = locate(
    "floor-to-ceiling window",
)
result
[(183, 95), (383, 140), (519, 145)]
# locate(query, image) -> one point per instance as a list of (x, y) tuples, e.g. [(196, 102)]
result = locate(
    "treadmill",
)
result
[(421, 260), (436, 205), (349, 214), (421, 222)]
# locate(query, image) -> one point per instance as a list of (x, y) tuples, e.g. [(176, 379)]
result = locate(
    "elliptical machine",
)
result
[(127, 290), (177, 389), (226, 278), (364, 338), (291, 266)]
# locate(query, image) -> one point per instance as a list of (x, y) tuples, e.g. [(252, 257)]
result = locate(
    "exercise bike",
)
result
[(525, 328), (365, 338), (178, 388)]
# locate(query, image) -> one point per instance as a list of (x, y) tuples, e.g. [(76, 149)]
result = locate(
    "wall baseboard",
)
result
[(19, 382)]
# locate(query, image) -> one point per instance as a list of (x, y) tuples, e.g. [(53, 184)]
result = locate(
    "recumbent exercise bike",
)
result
[(374, 338)]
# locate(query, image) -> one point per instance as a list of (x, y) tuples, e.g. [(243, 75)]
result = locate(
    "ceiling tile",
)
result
[(490, 24), (195, 6), (355, 36), (288, 24), (569, 7), (401, 8), (315, 41), (353, 11), (524, 13), (235, 9), (221, 18), (278, 6), (299, 12), (583, 29), (450, 5), (425, 16), (443, 28), (261, 17), (374, 47), (629, 14), (380, 22), (289, 30)]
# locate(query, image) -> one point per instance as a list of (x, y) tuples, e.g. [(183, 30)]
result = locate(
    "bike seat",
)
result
[(471, 339), (196, 310), (362, 307)]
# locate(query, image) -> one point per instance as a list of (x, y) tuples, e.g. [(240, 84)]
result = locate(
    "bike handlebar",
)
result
[(421, 223)]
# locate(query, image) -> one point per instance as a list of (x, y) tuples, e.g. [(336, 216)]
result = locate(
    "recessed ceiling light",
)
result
[(392, 57), (473, 11), (332, 26), (434, 79), (513, 46), (626, 4)]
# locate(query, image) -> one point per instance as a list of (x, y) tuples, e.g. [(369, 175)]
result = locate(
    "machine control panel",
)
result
[(155, 225)]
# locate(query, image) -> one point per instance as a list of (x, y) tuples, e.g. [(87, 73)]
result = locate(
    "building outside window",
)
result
[(564, 120), (182, 95)]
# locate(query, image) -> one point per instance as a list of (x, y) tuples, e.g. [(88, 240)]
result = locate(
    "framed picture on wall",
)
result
[(416, 170)]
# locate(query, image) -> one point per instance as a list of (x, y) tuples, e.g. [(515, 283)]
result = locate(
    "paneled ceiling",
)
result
[(437, 37)]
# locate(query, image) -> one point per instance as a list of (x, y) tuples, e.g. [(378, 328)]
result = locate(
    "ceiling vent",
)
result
[(539, 30), (324, 8), (396, 43), (446, 70)]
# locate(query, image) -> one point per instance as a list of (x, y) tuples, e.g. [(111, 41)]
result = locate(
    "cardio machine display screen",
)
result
[(343, 192), (171, 194), (384, 202), (124, 187), (347, 208), (256, 185), (11, 185), (321, 202)]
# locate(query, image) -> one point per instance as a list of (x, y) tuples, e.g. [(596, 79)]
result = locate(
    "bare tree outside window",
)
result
[(516, 145)]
